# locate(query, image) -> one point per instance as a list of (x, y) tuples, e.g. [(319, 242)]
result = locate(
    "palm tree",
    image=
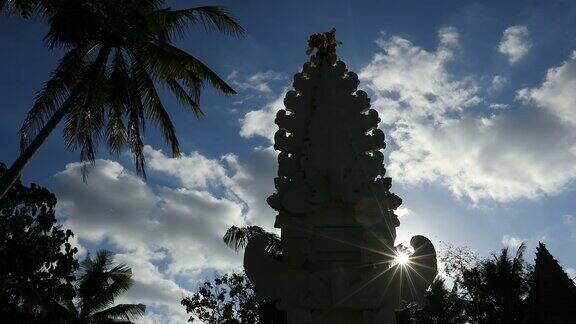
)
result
[(496, 289), (237, 238), (105, 85), (99, 284), (442, 306)]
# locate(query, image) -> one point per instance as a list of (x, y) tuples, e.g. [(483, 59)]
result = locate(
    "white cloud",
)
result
[(410, 82), (259, 82), (497, 83), (260, 122), (512, 241), (120, 208), (253, 182), (515, 43), (167, 233), (402, 212), (499, 106), (195, 171), (448, 36), (557, 93), (517, 153)]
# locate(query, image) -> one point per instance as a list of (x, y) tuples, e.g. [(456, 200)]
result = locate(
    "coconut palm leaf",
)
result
[(177, 22), (166, 59), (237, 238), (126, 312), (99, 284), (54, 92)]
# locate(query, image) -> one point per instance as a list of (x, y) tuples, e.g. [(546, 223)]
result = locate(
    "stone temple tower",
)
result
[(335, 209)]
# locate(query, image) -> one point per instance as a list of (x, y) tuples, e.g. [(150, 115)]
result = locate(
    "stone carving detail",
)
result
[(335, 209)]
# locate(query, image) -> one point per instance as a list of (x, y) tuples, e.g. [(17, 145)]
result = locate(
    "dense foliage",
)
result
[(39, 281), (485, 291), (230, 299), (36, 259)]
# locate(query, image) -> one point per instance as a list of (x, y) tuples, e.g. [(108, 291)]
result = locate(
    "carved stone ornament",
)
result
[(335, 209)]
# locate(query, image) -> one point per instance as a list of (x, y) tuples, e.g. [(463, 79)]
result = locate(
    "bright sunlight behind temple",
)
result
[(401, 258)]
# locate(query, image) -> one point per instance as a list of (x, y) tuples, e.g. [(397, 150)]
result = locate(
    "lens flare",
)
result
[(401, 258)]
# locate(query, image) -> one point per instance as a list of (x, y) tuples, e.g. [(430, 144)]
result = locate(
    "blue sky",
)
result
[(477, 99)]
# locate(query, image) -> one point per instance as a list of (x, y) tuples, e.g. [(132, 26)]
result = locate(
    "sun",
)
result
[(401, 258)]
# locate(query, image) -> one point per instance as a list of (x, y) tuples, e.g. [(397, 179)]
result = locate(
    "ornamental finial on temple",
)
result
[(323, 43)]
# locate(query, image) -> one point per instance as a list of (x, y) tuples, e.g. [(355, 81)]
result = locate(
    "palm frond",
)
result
[(115, 129), (194, 84), (183, 97), (237, 238), (134, 136), (154, 108), (116, 133), (167, 61), (53, 94), (127, 312), (520, 251), (6, 6), (177, 22), (98, 285), (121, 276), (85, 122), (24, 8)]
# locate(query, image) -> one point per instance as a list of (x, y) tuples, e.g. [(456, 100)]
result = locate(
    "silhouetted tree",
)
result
[(230, 299), (495, 290), (442, 306), (237, 238), (36, 259), (104, 87), (100, 282), (457, 259)]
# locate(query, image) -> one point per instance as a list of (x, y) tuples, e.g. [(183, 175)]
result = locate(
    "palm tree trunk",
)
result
[(26, 156)]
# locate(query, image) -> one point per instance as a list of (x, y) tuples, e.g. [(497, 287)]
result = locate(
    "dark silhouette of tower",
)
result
[(552, 297)]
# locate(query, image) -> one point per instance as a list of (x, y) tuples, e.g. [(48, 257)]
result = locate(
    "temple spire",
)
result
[(323, 43), (335, 210)]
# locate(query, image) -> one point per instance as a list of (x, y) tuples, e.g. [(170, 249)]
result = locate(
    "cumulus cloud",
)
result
[(557, 93), (260, 122), (165, 233), (194, 171), (520, 154), (426, 111), (515, 43), (411, 82), (517, 153), (512, 241), (252, 182)]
